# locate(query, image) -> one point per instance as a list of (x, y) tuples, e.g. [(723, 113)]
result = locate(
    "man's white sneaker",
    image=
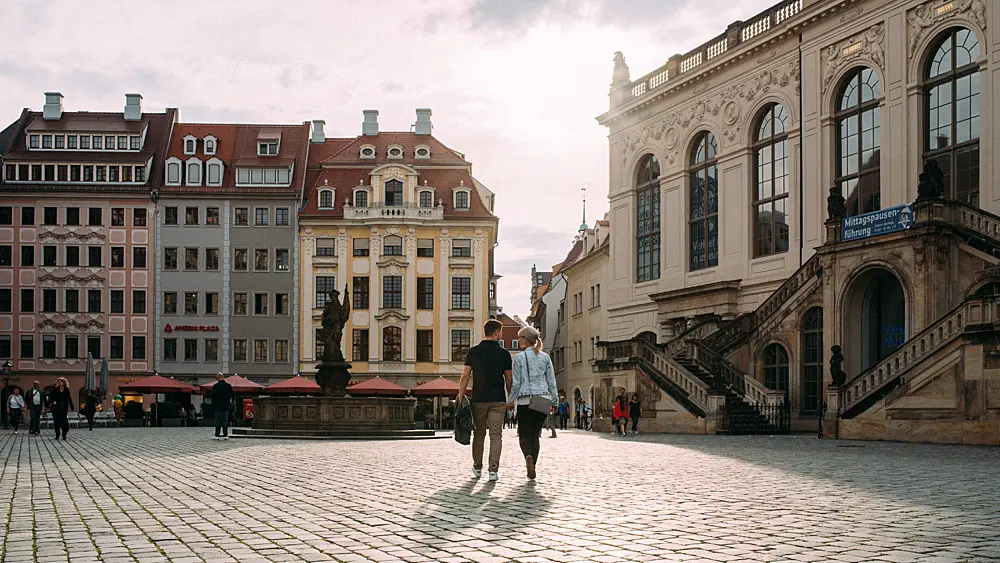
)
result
[(225, 437), (494, 476), (477, 472)]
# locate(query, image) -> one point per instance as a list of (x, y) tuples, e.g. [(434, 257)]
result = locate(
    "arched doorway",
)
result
[(876, 306), (647, 336)]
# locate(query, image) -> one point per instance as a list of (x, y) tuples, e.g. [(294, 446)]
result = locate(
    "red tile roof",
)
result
[(440, 154)]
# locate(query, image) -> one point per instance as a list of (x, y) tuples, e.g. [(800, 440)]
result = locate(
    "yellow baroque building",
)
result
[(396, 219)]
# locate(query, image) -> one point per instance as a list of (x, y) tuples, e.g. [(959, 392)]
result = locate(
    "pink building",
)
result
[(76, 249)]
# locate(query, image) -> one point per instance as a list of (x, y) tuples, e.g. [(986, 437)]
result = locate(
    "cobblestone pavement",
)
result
[(176, 495)]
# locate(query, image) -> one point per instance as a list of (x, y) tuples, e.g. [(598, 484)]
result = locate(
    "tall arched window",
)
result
[(812, 360), (859, 142), (361, 198), (326, 199), (776, 368), (461, 199), (393, 193), (704, 216), (392, 344), (647, 233), (952, 113), (770, 195), (426, 199)]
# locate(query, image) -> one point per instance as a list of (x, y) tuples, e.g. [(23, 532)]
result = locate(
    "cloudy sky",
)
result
[(514, 84)]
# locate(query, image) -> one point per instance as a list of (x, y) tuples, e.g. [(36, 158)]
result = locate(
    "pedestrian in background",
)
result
[(534, 392), (222, 403), (588, 414), (15, 408), (60, 404), (34, 400), (563, 412), (89, 409), (634, 411)]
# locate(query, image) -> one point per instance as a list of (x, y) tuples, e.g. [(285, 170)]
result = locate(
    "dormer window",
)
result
[(461, 199), (367, 152), (33, 141), (267, 149), (268, 141), (213, 172), (209, 144), (173, 172), (393, 193), (326, 199), (190, 144), (194, 172), (426, 198), (361, 198), (395, 151), (422, 152)]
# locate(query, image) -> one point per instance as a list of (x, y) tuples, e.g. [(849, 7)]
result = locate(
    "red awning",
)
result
[(294, 385), (439, 387), (157, 384), (240, 385), (377, 386)]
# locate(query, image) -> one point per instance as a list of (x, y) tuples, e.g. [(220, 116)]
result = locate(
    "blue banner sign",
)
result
[(877, 223)]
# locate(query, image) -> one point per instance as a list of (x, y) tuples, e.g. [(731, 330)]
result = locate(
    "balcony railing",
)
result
[(760, 25), (394, 212)]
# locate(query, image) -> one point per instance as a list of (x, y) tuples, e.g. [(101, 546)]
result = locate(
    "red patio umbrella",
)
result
[(377, 386), (240, 385), (294, 385), (157, 384), (439, 387)]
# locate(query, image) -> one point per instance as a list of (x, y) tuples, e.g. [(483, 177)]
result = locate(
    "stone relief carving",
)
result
[(864, 46), (309, 246), (342, 246), (926, 15), (727, 103), (477, 247)]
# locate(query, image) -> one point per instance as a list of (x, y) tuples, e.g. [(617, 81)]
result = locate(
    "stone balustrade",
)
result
[(394, 213)]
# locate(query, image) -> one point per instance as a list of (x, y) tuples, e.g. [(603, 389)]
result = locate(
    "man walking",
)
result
[(34, 399), (489, 365), (222, 402), (563, 412), (15, 406)]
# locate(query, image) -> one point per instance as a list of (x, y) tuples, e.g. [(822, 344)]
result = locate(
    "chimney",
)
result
[(318, 135), (133, 107), (53, 107), (423, 125), (370, 125)]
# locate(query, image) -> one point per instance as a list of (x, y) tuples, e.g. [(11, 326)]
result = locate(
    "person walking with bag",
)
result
[(534, 392), (489, 366), (34, 400), (60, 404), (15, 408)]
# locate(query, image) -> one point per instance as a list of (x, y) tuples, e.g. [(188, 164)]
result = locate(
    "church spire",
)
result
[(583, 225)]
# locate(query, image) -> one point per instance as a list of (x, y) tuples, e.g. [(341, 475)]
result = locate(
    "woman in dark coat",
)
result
[(634, 412), (90, 409), (60, 403)]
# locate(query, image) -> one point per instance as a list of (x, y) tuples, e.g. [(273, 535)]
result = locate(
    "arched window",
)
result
[(326, 199), (361, 198), (461, 199), (426, 199), (647, 225), (952, 113), (392, 344), (704, 216), (173, 173), (392, 245), (770, 194), (214, 174), (776, 368), (393, 193), (812, 360), (859, 142), (991, 289)]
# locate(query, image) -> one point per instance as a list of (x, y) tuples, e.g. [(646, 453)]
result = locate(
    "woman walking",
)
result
[(90, 409), (618, 415), (15, 406), (534, 392), (633, 413), (60, 403)]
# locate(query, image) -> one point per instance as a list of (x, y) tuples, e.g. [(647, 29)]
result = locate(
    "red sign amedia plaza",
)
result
[(191, 328)]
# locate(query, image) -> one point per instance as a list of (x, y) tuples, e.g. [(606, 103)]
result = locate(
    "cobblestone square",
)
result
[(150, 495)]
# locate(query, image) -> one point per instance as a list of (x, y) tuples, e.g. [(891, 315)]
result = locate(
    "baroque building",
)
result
[(227, 247), (803, 225), (398, 220), (76, 241)]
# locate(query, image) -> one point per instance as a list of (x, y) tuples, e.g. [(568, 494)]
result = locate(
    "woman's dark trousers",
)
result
[(60, 422), (90, 420), (529, 426), (635, 424)]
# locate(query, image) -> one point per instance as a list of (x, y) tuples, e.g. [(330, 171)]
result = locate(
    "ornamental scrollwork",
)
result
[(923, 17), (866, 46)]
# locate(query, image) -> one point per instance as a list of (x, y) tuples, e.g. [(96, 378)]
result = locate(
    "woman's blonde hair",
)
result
[(65, 381), (532, 336)]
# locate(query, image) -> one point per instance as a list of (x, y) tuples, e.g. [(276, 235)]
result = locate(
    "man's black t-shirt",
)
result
[(488, 361)]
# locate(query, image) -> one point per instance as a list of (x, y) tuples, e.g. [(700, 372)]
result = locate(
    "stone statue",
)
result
[(836, 361), (931, 184), (835, 207), (621, 72), (332, 372), (335, 316)]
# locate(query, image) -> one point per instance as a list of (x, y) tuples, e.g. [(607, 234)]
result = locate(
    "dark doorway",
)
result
[(883, 323)]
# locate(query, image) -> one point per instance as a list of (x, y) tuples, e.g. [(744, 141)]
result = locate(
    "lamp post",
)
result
[(6, 383)]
